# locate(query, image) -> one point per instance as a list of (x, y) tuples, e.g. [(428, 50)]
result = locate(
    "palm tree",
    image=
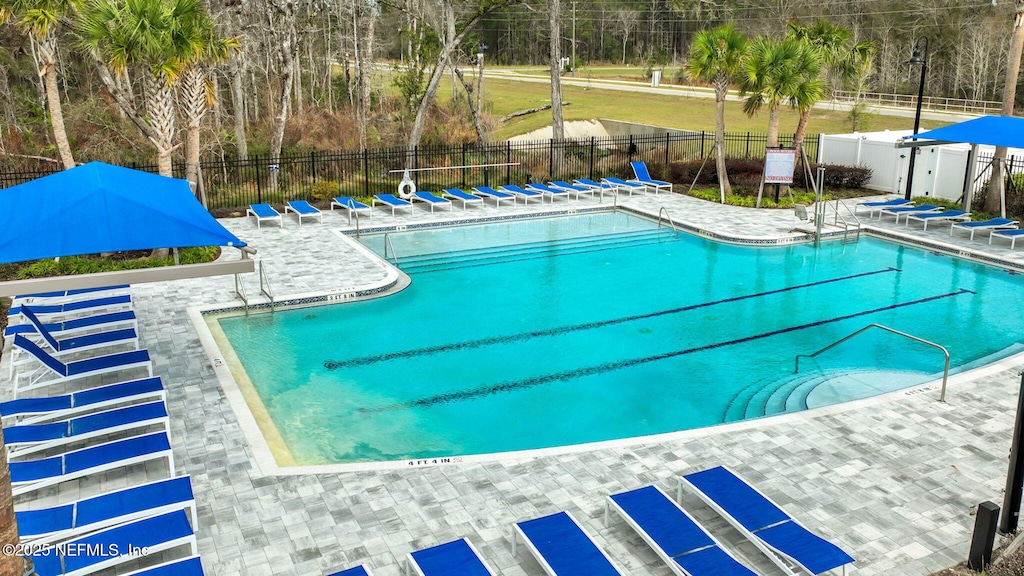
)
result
[(39, 19), (771, 74), (844, 63), (715, 57), (160, 37), (196, 92)]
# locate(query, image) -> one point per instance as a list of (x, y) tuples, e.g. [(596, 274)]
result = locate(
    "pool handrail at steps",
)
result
[(945, 370), (847, 226), (667, 217), (265, 288), (387, 242)]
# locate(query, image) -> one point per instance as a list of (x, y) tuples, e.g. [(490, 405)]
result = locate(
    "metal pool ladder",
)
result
[(387, 242), (945, 370), (265, 287), (667, 217)]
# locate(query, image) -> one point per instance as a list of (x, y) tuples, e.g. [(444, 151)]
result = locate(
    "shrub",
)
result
[(746, 173), (750, 200), (71, 265), (323, 190)]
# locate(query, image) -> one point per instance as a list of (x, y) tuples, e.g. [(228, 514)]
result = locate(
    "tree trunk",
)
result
[(238, 105), (49, 74), (993, 198), (287, 69), (160, 109), (481, 135), (449, 43), (773, 126), (801, 130), (10, 564), (193, 92), (721, 88), (365, 71)]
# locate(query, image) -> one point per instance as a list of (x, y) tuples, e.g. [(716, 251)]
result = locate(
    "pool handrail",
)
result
[(945, 370), (667, 217), (388, 242)]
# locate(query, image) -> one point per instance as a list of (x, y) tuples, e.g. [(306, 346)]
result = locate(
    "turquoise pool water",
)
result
[(557, 331)]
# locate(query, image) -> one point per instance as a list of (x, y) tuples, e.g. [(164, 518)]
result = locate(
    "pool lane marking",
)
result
[(469, 344), (511, 386)]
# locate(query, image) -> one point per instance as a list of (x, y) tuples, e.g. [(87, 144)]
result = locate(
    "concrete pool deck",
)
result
[(892, 479)]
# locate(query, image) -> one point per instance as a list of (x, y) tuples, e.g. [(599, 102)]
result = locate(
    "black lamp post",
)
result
[(916, 59)]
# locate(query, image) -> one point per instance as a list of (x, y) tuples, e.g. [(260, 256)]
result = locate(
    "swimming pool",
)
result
[(556, 331)]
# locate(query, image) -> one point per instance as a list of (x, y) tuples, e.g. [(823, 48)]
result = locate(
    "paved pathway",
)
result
[(892, 479)]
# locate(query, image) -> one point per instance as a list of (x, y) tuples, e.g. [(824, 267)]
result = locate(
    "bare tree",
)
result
[(450, 40), (627, 20)]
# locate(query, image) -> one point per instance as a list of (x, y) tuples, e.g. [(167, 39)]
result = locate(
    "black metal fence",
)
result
[(1014, 174), (318, 176)]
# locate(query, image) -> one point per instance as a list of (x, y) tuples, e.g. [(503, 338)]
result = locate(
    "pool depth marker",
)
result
[(469, 344), (511, 386)]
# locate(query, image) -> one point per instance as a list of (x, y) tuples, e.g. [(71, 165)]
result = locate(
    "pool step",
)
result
[(525, 251)]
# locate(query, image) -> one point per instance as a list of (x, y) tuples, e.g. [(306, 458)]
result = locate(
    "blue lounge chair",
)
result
[(464, 197), (993, 224), (683, 544), (356, 571), (264, 213), (1012, 235), (48, 365), (93, 341), (549, 191), (458, 558), (31, 475), (69, 520), (782, 539), (523, 193), (909, 210), (125, 318), (873, 207), (25, 439), (562, 547), (93, 305), (598, 187), (950, 216), (100, 550), (63, 296), (625, 186), (391, 200), (303, 209), (643, 176), (497, 195), (35, 410), (432, 199), (191, 566), (351, 205), (577, 189)]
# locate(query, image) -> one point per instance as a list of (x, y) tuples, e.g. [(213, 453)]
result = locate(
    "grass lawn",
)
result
[(504, 97)]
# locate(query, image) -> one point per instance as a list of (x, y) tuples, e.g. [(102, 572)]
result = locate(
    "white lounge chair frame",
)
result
[(189, 506), (319, 215), (937, 218), (676, 568), (518, 533), (259, 219), (1001, 234), (23, 449), (29, 487), (351, 209), (787, 564), (26, 417), (35, 378), (411, 564)]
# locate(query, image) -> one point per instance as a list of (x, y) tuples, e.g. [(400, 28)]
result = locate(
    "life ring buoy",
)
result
[(406, 187)]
